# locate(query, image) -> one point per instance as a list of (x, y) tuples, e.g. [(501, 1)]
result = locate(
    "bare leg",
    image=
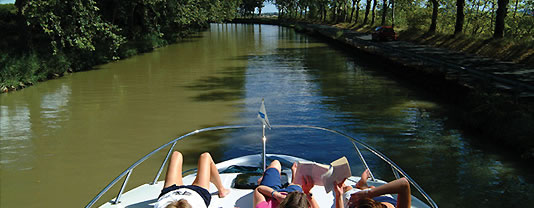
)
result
[(274, 164), (362, 183), (174, 171), (207, 172)]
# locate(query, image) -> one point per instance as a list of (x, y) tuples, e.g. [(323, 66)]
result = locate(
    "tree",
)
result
[(334, 11), (435, 5), (384, 11), (367, 8), (393, 13), (460, 16), (352, 10), (499, 19), (357, 11), (72, 25), (373, 13)]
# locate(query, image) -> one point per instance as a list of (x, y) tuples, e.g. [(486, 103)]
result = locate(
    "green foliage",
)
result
[(419, 20), (7, 9), (416, 14), (49, 37), (73, 24), (19, 69), (247, 7)]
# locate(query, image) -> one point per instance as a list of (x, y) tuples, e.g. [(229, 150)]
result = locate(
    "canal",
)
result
[(63, 140)]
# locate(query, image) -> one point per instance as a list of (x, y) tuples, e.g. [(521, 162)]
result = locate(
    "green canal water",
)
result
[(63, 140)]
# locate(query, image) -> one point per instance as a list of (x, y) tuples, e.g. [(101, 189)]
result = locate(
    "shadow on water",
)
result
[(227, 85)]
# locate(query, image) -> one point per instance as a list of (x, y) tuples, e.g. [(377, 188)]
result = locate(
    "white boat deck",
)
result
[(146, 195)]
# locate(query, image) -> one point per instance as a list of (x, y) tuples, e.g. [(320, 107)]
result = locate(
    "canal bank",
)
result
[(92, 125), (493, 98)]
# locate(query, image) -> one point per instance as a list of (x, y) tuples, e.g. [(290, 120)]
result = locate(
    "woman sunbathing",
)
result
[(271, 194), (374, 197), (177, 195)]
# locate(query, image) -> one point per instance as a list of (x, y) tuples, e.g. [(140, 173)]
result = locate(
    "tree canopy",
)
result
[(488, 18)]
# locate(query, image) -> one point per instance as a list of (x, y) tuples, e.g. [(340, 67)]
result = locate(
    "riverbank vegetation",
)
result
[(45, 39)]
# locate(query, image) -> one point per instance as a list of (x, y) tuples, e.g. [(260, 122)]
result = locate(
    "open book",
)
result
[(323, 175)]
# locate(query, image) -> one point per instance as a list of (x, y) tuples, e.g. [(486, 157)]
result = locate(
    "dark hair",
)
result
[(182, 203), (295, 200), (368, 203)]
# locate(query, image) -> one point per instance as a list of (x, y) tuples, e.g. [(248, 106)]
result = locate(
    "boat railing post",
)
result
[(163, 164), (264, 140), (395, 172), (117, 200), (363, 161)]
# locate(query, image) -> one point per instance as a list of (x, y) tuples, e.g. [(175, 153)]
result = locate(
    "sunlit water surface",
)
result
[(65, 139)]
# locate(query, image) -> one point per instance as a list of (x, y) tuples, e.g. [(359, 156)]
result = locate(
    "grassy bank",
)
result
[(506, 49), (519, 51)]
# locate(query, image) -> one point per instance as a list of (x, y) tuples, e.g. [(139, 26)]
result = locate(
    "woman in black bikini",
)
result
[(177, 195)]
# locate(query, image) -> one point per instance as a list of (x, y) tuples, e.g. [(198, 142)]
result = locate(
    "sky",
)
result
[(7, 1), (269, 7)]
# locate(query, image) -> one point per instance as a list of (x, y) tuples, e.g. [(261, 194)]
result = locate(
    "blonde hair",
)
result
[(182, 203)]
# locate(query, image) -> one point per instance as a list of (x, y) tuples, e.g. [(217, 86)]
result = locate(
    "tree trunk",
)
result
[(324, 14), (392, 13), (352, 12), (499, 19), (367, 9), (460, 16), (435, 5), (334, 14), (373, 13), (357, 11), (384, 11), (515, 9)]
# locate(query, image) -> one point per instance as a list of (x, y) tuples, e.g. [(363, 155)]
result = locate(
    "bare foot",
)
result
[(346, 188), (293, 172), (362, 183), (224, 192), (294, 167)]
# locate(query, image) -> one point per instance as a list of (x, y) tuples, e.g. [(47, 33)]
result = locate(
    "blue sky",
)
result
[(267, 8)]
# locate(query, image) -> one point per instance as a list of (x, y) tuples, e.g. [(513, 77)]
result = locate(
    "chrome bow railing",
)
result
[(395, 168)]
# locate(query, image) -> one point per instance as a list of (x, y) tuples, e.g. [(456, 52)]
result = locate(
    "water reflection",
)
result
[(15, 133), (53, 107), (307, 82)]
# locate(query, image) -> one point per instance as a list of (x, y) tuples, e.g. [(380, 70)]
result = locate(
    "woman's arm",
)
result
[(401, 187), (269, 192), (306, 188), (338, 190), (313, 203)]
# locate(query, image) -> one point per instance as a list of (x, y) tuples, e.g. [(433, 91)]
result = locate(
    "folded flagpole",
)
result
[(262, 115)]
